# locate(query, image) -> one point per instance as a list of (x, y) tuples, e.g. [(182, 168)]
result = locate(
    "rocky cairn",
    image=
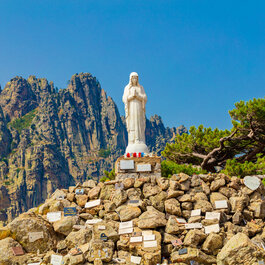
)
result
[(142, 219)]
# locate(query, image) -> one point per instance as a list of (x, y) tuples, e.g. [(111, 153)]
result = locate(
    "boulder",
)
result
[(128, 212), (239, 250), (30, 222), (217, 184), (212, 243), (152, 218), (65, 225), (193, 254), (78, 238), (7, 256), (150, 189), (173, 227), (94, 193), (194, 237), (172, 206), (119, 197)]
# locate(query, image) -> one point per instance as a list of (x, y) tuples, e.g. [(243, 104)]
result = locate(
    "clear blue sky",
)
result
[(195, 58)]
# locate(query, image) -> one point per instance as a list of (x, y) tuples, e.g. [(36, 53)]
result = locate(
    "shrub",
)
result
[(169, 168), (104, 152), (23, 122), (234, 168), (108, 175)]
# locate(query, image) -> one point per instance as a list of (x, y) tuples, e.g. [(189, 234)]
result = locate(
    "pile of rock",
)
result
[(199, 219)]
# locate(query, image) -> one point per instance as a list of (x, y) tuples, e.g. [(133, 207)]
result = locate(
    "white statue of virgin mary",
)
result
[(135, 99)]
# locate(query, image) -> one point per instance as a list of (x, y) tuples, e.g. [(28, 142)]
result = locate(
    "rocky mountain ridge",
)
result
[(52, 138)]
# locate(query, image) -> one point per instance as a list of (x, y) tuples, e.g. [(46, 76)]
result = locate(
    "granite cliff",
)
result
[(52, 138)]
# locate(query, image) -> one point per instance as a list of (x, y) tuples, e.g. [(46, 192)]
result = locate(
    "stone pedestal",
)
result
[(137, 167)]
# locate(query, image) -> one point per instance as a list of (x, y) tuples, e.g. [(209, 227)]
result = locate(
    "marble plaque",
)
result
[(93, 221), (54, 216), (150, 244), (125, 231), (128, 224), (136, 260), (143, 168), (79, 191), (221, 204), (78, 227), (60, 197), (126, 164), (183, 251), (18, 251), (56, 259), (92, 203), (177, 242), (134, 202), (136, 239), (212, 215), (101, 227), (69, 211), (75, 251), (181, 221), (33, 236), (196, 212), (149, 237), (212, 228), (193, 226), (252, 182)]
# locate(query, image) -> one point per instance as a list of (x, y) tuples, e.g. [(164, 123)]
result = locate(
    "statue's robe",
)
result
[(135, 113)]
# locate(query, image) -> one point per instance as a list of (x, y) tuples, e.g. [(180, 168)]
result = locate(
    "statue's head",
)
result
[(134, 79)]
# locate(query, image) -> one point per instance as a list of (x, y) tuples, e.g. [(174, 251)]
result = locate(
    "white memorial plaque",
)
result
[(212, 228), (128, 224), (252, 182), (101, 227), (135, 259), (149, 237), (143, 168), (181, 220), (221, 204), (56, 259), (136, 239), (33, 236), (78, 227), (54, 216), (150, 244), (126, 164), (196, 212), (125, 231), (212, 215), (93, 221), (92, 203), (193, 225)]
